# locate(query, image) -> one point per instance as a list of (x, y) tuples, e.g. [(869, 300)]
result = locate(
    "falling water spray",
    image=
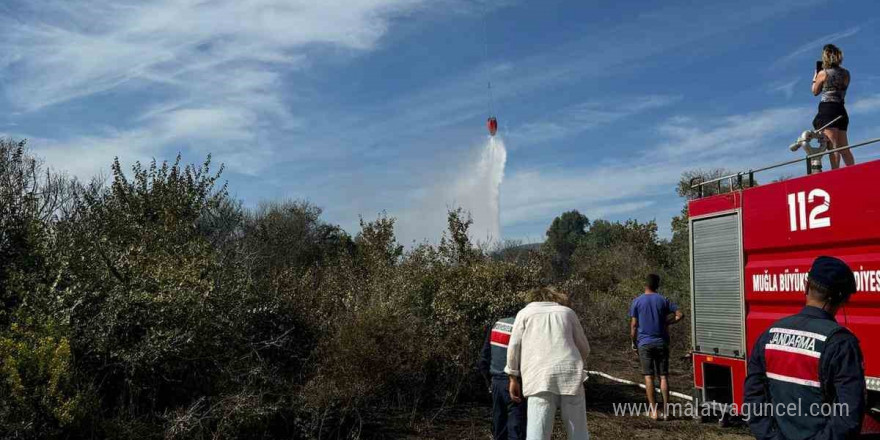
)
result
[(474, 186), (478, 190)]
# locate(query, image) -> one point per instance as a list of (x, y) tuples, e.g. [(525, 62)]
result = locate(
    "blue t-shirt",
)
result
[(651, 310)]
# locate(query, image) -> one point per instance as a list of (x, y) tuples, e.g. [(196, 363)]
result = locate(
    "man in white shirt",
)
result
[(546, 356)]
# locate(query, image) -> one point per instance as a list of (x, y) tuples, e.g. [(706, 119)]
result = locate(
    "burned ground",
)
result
[(472, 421)]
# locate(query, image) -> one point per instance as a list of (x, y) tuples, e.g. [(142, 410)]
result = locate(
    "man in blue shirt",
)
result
[(650, 316)]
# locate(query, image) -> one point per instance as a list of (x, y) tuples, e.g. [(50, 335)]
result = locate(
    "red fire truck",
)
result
[(751, 249)]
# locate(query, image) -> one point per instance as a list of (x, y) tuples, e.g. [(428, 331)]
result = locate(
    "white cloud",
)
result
[(96, 45), (588, 115), (865, 105), (815, 45), (539, 195), (786, 88), (734, 134), (217, 66)]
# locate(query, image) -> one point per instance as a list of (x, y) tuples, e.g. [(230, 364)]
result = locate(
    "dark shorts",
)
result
[(654, 359), (827, 112)]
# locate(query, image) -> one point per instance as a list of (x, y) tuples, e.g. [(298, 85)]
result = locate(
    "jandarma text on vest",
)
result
[(746, 411)]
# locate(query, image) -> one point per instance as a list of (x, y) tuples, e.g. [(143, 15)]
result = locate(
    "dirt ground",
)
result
[(473, 421)]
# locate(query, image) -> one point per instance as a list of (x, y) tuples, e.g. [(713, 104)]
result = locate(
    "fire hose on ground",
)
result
[(641, 385)]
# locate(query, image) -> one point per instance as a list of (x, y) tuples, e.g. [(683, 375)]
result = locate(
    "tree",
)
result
[(679, 245), (41, 397), (603, 233), (686, 190), (562, 239), (692, 177), (457, 246), (30, 197), (376, 243), (290, 237)]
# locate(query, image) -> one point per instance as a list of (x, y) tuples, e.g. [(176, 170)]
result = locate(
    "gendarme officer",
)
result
[(805, 376)]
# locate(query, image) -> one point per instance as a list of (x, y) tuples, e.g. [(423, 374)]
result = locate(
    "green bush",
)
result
[(43, 397)]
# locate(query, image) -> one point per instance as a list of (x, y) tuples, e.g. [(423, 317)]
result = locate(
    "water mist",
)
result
[(478, 190)]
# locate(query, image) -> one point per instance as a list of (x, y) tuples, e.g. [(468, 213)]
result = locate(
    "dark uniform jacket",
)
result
[(493, 356), (807, 360), (508, 417)]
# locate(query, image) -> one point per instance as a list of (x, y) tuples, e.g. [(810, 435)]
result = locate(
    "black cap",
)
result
[(834, 275)]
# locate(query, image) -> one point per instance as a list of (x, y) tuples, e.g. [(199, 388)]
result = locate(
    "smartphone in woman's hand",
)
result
[(818, 66)]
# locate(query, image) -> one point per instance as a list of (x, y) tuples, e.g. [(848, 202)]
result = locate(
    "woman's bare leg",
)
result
[(847, 155), (834, 158)]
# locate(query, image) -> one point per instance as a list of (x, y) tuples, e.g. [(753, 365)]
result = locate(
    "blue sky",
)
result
[(361, 106)]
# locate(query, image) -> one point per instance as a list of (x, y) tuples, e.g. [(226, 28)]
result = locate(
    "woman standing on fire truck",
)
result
[(831, 81)]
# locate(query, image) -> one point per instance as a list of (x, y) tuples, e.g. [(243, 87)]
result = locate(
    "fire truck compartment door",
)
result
[(717, 301)]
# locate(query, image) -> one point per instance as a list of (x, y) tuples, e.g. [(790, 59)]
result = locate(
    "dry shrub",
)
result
[(158, 307), (375, 354)]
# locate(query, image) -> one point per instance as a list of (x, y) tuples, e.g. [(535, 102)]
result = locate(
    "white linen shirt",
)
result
[(548, 350)]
